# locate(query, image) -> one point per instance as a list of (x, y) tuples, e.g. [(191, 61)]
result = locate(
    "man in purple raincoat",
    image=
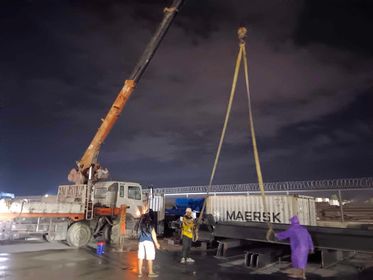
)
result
[(301, 245)]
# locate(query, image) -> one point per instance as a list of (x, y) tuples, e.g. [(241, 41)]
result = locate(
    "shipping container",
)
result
[(156, 203), (249, 208)]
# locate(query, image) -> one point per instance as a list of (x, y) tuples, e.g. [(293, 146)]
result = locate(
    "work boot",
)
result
[(153, 275), (304, 274), (295, 276), (297, 273), (182, 260), (189, 260)]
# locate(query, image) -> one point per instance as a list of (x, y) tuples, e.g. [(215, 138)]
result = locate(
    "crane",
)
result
[(88, 167)]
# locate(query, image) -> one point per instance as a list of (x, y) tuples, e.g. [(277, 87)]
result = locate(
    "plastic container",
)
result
[(100, 248)]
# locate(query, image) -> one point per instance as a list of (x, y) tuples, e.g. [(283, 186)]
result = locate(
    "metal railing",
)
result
[(347, 184)]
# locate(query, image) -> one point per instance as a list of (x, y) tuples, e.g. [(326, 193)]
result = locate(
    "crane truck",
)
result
[(90, 207)]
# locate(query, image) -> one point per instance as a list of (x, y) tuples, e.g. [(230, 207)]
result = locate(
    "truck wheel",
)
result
[(78, 235), (106, 233), (130, 227), (115, 230), (48, 238), (114, 235)]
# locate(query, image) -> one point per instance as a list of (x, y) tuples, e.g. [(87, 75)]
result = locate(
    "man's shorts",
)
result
[(146, 250)]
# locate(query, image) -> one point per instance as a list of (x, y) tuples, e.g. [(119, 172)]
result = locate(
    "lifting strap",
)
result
[(241, 56), (242, 34)]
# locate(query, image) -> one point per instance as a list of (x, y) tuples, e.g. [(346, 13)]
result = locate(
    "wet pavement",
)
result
[(61, 263)]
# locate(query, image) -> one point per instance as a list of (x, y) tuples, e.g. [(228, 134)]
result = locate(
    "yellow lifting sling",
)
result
[(242, 31)]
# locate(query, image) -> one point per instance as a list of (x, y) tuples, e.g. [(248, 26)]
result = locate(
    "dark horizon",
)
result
[(63, 63)]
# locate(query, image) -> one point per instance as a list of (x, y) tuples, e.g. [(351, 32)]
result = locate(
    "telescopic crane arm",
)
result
[(79, 174)]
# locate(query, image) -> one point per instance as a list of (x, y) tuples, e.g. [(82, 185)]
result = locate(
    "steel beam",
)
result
[(347, 239)]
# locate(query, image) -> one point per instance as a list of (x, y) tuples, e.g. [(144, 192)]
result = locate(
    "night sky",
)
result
[(62, 64)]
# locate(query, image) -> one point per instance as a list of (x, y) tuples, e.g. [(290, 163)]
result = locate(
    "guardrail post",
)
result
[(341, 206)]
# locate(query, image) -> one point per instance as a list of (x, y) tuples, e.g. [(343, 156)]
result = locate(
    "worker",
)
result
[(147, 240), (301, 245), (187, 231)]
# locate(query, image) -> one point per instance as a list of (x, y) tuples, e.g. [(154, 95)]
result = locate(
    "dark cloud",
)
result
[(334, 145), (64, 62), (342, 24)]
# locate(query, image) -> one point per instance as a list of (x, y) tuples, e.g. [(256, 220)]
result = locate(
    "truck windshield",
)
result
[(134, 192)]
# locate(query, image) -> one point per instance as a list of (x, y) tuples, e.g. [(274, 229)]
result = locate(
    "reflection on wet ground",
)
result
[(62, 263)]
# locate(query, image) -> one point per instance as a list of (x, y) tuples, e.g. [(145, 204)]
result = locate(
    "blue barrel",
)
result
[(100, 248)]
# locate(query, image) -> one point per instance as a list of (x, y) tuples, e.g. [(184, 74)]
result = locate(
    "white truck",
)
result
[(66, 218)]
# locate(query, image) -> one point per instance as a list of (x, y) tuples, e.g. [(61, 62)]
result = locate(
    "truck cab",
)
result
[(113, 194)]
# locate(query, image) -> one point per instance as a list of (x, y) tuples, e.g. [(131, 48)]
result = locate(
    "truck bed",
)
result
[(20, 208)]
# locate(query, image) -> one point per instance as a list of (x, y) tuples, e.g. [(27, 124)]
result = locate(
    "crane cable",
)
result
[(241, 56)]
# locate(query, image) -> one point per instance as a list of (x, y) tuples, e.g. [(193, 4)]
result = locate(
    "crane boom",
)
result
[(89, 158)]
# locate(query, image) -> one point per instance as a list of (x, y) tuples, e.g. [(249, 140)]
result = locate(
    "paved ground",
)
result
[(61, 262)]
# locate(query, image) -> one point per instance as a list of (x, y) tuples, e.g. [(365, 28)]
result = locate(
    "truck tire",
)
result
[(48, 238), (114, 234), (130, 232), (130, 227), (78, 235), (106, 233)]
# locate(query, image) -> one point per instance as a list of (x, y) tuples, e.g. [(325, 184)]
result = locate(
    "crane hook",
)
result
[(242, 33)]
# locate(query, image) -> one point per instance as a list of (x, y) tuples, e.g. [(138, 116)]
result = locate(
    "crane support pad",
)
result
[(347, 239)]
